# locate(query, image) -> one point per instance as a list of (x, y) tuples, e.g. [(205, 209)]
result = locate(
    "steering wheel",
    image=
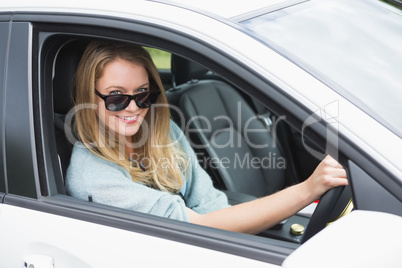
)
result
[(331, 205)]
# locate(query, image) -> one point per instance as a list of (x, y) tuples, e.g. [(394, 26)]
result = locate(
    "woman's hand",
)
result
[(328, 174), (258, 215)]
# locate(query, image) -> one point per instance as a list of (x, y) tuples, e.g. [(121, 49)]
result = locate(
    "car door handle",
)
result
[(38, 261)]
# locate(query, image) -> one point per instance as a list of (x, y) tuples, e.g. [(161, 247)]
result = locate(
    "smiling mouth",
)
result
[(128, 119)]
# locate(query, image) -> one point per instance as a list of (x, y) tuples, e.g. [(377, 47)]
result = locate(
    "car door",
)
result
[(45, 228)]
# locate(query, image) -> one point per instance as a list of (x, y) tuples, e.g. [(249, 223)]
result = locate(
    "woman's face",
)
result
[(122, 77)]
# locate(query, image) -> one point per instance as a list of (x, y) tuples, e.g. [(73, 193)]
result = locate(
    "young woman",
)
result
[(131, 155)]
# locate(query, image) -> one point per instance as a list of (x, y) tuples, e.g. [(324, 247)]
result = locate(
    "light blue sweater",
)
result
[(108, 183)]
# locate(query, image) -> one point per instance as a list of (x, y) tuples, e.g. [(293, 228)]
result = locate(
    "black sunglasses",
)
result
[(119, 102)]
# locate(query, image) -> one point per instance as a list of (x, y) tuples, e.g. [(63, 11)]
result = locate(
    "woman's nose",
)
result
[(132, 106)]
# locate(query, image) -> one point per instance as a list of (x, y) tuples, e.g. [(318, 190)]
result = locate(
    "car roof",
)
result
[(226, 8), (222, 8)]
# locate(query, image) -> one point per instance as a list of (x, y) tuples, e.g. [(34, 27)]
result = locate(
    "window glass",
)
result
[(339, 40)]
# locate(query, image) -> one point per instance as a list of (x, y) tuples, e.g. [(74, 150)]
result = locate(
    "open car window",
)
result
[(248, 148)]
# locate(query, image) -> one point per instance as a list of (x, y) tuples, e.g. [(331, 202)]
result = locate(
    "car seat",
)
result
[(65, 66), (219, 117)]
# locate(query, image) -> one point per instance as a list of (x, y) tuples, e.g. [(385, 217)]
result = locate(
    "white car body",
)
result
[(39, 238)]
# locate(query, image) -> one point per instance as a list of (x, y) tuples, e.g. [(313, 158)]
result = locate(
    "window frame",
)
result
[(4, 44)]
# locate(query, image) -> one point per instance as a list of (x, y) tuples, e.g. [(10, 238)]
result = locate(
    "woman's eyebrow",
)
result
[(125, 89), (143, 85), (114, 87)]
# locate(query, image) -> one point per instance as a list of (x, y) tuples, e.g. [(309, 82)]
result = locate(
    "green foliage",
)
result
[(161, 58)]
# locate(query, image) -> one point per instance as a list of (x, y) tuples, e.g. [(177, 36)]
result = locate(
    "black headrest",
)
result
[(184, 70), (65, 67)]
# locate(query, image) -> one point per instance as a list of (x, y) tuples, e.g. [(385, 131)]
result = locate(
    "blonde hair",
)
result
[(164, 163)]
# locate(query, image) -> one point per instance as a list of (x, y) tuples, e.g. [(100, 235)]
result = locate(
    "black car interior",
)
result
[(65, 67), (205, 101), (221, 117)]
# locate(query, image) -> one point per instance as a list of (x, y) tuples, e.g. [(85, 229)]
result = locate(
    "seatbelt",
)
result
[(262, 113), (265, 118)]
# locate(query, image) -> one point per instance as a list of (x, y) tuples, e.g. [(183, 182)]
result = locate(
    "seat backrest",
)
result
[(239, 143), (65, 67)]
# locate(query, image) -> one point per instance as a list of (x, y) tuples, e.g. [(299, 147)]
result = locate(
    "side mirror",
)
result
[(361, 239)]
